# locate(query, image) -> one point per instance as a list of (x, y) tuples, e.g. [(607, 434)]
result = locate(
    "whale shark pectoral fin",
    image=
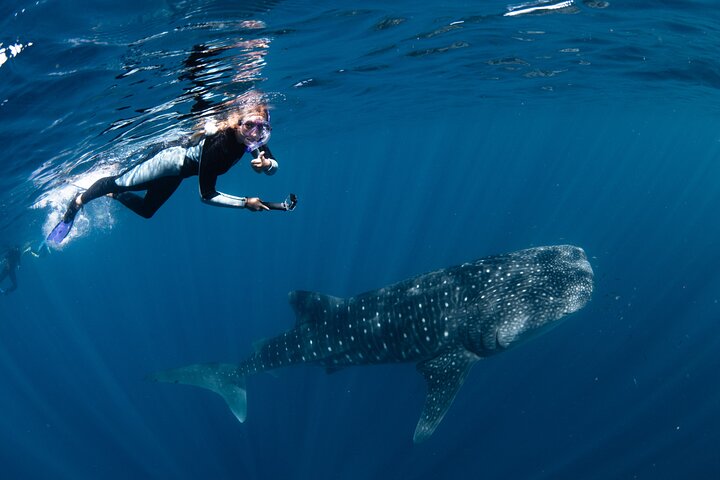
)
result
[(221, 378), (444, 375)]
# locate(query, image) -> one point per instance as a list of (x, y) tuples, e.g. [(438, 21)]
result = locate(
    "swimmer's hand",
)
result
[(254, 204), (261, 163)]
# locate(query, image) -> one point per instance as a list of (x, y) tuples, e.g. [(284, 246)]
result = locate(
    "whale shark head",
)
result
[(562, 283), (532, 291)]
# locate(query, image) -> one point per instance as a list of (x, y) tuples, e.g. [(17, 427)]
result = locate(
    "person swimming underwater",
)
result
[(9, 263), (212, 152)]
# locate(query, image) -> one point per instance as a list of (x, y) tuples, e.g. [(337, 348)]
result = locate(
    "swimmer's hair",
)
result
[(252, 102)]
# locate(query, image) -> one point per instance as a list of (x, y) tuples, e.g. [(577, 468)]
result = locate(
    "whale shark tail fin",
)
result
[(221, 378)]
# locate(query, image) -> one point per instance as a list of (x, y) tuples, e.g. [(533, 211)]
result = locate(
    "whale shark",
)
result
[(443, 321)]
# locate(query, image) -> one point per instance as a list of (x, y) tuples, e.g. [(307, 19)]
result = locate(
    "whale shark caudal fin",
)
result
[(312, 308), (444, 375), (221, 378)]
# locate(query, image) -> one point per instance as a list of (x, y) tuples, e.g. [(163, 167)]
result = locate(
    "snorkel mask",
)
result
[(259, 130)]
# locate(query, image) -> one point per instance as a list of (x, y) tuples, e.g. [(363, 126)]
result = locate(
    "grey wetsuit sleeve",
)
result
[(224, 200), (211, 196)]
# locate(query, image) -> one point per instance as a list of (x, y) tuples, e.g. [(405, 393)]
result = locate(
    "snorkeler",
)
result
[(213, 151), (8, 266)]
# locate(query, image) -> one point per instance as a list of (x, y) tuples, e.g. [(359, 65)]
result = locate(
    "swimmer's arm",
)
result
[(209, 195), (260, 156), (33, 252), (207, 180), (220, 199)]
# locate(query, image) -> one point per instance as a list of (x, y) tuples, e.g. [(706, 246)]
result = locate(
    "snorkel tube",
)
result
[(251, 147)]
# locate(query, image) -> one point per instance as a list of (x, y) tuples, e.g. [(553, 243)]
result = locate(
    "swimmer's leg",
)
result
[(144, 176), (158, 191), (149, 175), (98, 189)]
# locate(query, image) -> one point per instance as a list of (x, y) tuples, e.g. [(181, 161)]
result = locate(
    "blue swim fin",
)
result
[(60, 231)]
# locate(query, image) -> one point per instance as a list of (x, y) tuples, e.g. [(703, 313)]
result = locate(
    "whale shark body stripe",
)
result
[(443, 321)]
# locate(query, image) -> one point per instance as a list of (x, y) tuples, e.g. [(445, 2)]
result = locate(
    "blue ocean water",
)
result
[(417, 136)]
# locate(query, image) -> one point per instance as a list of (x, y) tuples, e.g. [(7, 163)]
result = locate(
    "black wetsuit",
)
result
[(8, 267), (161, 175)]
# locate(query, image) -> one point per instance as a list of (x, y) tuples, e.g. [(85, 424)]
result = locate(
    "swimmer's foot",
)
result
[(62, 229), (72, 210)]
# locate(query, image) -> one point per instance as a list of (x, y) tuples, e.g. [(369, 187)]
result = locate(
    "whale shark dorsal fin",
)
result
[(259, 344), (444, 375), (313, 307)]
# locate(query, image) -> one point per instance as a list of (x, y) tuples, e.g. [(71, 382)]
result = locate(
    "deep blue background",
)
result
[(422, 162)]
